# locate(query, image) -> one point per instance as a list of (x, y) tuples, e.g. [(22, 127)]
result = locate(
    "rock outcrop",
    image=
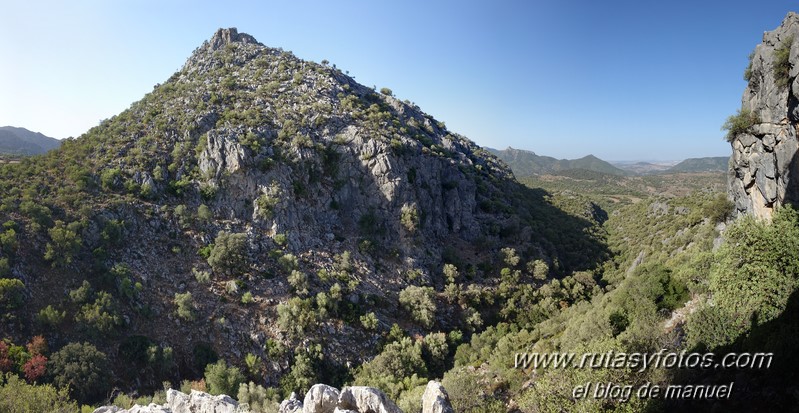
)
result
[(178, 402), (436, 399), (763, 166), (322, 398)]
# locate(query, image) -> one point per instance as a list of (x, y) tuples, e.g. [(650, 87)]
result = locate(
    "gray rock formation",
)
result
[(291, 405), (436, 399), (364, 399), (199, 402), (321, 398), (763, 165), (177, 402)]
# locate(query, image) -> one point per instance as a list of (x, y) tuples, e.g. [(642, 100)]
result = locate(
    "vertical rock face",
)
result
[(763, 167)]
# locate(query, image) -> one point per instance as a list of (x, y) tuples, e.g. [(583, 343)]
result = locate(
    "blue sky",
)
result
[(622, 80)]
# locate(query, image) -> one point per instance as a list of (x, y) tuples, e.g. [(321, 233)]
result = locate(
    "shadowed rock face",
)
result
[(763, 163)]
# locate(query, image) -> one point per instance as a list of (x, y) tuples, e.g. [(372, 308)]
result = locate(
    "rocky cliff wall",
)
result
[(763, 163)]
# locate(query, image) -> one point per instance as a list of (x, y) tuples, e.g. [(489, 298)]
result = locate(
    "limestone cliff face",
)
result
[(763, 168)]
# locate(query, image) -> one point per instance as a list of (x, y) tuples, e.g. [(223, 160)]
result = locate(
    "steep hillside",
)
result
[(273, 213), (20, 141), (710, 164), (527, 163)]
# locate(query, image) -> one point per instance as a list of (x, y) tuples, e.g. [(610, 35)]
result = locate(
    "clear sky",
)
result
[(623, 80)]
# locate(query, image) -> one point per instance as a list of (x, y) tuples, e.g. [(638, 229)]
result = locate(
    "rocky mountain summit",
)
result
[(763, 167)]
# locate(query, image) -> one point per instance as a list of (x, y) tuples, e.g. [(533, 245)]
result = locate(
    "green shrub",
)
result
[(369, 321), (110, 179), (5, 269), (280, 239), (204, 213), (739, 123), (12, 293), (81, 294), (8, 241), (81, 368), (748, 71), (65, 243), (386, 91), (203, 277), (259, 399), (299, 282), (753, 274), (420, 303), (409, 217), (295, 315), (50, 317), (229, 253), (102, 315), (18, 396), (782, 64), (222, 379), (253, 364), (185, 304), (395, 369)]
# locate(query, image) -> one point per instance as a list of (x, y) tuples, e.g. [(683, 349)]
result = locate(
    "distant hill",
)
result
[(20, 141), (709, 164), (644, 168), (527, 163)]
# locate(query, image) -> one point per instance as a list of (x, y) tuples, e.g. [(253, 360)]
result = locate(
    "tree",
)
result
[(35, 368), (258, 399), (420, 302), (295, 315), (83, 369), (222, 379), (229, 253), (451, 273), (17, 396), (101, 315), (65, 243), (185, 304), (12, 293), (397, 363)]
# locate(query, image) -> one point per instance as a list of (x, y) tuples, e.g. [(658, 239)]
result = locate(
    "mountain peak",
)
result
[(224, 37)]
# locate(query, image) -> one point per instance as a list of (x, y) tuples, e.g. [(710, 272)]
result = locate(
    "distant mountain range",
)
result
[(527, 163), (22, 142)]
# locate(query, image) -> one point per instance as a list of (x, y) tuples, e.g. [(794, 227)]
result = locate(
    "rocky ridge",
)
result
[(763, 167)]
